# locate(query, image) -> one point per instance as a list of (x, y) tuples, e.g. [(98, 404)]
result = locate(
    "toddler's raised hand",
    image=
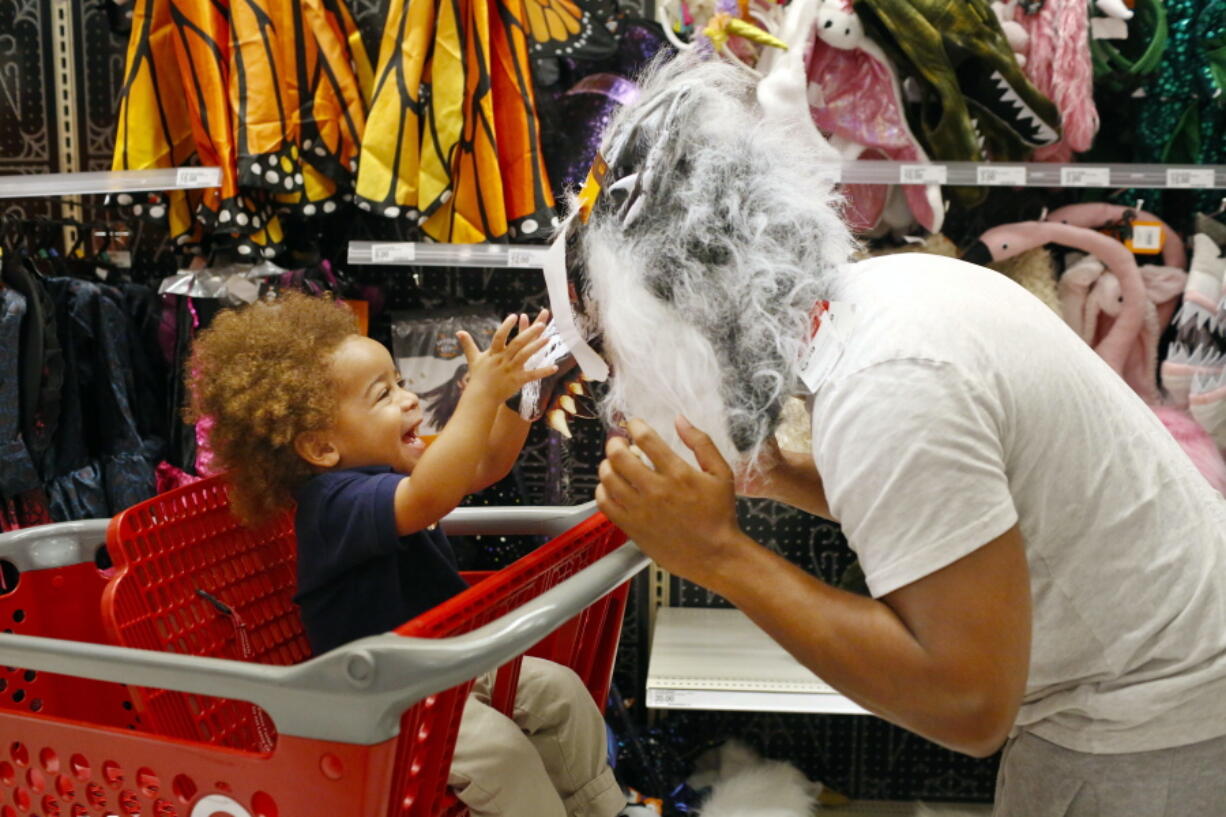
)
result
[(498, 372)]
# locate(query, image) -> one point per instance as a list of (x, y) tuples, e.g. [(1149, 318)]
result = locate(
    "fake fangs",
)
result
[(1023, 117), (980, 139)]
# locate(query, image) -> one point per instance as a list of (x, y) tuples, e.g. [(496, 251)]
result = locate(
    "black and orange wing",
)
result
[(568, 28), (389, 163), (525, 183), (153, 128)]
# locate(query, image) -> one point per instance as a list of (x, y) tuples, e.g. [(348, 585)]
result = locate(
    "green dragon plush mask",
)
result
[(976, 100)]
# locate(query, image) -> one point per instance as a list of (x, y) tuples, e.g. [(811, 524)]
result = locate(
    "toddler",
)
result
[(306, 410)]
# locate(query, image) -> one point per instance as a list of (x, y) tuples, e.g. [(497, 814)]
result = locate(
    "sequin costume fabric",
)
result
[(1182, 118)]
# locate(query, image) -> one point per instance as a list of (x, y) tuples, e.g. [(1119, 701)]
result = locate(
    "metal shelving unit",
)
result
[(108, 181), (957, 174)]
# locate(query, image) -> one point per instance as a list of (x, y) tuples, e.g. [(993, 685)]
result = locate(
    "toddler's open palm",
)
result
[(499, 371)]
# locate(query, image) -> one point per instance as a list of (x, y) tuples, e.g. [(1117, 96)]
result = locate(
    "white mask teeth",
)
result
[(1023, 116), (1208, 380), (1178, 352)]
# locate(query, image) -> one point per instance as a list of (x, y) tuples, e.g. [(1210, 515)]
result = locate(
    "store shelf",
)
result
[(413, 253), (718, 659), (1030, 174), (885, 808), (962, 174), (108, 181)]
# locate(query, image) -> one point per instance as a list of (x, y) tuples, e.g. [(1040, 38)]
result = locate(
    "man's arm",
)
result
[(790, 477), (946, 656)]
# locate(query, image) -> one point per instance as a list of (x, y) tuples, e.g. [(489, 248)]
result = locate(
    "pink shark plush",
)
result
[(1124, 294)]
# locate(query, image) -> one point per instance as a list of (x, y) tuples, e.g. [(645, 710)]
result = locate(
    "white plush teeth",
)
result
[(1041, 131)]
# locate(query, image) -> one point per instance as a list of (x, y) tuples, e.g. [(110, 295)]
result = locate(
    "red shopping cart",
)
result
[(177, 683)]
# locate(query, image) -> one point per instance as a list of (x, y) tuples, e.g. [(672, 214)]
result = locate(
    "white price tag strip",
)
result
[(923, 174), (1085, 176), (1000, 176), (198, 177), (398, 253), (830, 173), (1189, 177), (523, 258)]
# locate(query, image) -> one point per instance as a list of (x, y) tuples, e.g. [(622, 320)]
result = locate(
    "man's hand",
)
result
[(682, 517)]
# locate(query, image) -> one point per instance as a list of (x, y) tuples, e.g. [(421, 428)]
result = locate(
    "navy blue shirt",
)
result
[(356, 576)]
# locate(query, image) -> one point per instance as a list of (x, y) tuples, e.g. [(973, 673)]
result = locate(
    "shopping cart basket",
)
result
[(211, 710)]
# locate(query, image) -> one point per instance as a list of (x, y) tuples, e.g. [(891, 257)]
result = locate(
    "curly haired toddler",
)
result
[(307, 410)]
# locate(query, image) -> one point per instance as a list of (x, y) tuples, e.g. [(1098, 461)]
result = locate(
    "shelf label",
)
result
[(523, 258), (1147, 238), (1085, 176), (989, 175), (398, 253), (197, 177), (922, 174), (1189, 177)]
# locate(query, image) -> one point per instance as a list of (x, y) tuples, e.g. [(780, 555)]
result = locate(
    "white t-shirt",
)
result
[(962, 405)]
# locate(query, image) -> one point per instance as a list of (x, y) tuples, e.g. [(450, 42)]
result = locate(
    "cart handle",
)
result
[(56, 545), (60, 544), (355, 693)]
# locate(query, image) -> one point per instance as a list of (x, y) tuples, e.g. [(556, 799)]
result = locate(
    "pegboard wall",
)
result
[(27, 104)]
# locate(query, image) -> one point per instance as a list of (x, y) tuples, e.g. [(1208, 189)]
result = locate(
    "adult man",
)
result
[(1044, 561)]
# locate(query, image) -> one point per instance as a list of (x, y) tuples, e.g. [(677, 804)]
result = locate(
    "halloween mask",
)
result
[(973, 90), (694, 275)]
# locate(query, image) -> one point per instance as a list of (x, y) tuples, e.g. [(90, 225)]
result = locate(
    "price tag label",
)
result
[(399, 253), (923, 174), (1189, 177), (198, 177), (1085, 176), (831, 173), (990, 176), (523, 258), (1147, 238), (834, 326)]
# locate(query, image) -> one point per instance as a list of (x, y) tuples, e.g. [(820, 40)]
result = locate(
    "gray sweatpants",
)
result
[(548, 760), (1037, 778)]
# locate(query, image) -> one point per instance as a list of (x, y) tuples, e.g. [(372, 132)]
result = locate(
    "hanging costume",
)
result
[(271, 92), (1058, 63), (1182, 115), (453, 142), (857, 102), (971, 83)]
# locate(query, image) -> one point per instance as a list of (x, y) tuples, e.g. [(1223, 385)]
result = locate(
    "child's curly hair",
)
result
[(262, 373)]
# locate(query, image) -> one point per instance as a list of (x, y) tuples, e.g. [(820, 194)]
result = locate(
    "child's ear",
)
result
[(317, 449)]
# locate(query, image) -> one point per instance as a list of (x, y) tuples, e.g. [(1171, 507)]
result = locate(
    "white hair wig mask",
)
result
[(704, 257)]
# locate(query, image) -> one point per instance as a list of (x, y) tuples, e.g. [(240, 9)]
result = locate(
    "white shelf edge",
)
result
[(416, 253), (694, 649), (956, 174), (1029, 174), (824, 703), (108, 181)]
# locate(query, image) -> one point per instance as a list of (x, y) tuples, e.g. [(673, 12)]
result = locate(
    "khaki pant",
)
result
[(548, 760), (1037, 778)]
